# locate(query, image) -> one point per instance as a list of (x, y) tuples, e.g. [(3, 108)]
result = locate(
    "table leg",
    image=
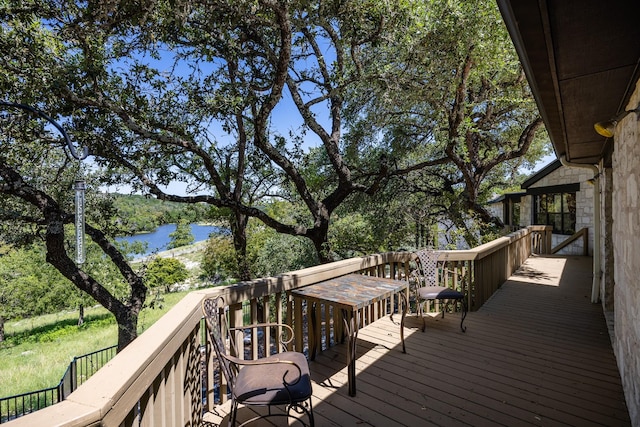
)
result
[(405, 306), (351, 329), (404, 302), (313, 321), (338, 322)]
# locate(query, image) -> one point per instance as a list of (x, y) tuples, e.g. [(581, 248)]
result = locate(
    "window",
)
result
[(556, 209), (514, 218)]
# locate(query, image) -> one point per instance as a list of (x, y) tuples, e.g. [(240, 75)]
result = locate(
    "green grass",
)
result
[(37, 351)]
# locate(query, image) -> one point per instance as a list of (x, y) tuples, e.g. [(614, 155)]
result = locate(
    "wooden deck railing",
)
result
[(159, 379), (582, 234)]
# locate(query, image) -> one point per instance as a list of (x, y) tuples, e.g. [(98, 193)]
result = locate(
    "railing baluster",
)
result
[(254, 331), (327, 325), (266, 314), (296, 322)]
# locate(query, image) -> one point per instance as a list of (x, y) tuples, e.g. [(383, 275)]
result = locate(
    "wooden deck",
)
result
[(536, 354)]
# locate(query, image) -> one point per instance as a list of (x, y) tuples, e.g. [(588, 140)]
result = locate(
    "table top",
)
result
[(353, 291)]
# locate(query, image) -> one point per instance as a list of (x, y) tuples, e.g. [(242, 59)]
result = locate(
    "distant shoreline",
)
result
[(158, 240), (172, 253)]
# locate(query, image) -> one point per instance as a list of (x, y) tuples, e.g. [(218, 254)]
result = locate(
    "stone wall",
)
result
[(584, 205), (626, 248), (497, 210)]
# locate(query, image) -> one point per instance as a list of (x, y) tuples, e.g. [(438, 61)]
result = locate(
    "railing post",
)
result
[(471, 288), (548, 243)]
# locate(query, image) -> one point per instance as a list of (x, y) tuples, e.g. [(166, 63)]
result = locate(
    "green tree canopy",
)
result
[(226, 66), (451, 91), (165, 272), (397, 97), (181, 236)]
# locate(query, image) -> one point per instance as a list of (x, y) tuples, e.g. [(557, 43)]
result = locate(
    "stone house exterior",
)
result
[(556, 195)]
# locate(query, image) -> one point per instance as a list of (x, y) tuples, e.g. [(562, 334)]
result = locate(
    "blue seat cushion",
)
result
[(263, 385), (439, 292)]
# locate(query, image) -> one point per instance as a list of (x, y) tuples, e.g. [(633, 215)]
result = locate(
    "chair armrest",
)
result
[(415, 279), (268, 325), (263, 361), (272, 360)]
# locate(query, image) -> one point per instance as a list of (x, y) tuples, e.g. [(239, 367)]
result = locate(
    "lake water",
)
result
[(159, 239)]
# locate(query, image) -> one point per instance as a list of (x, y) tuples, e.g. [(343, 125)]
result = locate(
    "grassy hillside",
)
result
[(38, 350)]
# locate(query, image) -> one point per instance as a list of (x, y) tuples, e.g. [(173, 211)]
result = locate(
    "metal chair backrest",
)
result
[(428, 264), (217, 324)]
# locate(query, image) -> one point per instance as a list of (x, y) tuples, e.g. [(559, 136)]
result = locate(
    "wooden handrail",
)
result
[(157, 377), (584, 234)]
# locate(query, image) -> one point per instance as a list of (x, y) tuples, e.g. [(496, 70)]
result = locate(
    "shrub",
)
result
[(219, 258), (165, 272)]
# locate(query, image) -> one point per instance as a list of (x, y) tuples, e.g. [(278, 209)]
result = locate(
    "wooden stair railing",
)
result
[(584, 234)]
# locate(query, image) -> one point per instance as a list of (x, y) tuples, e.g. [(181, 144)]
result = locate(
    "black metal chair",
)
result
[(281, 379), (425, 286)]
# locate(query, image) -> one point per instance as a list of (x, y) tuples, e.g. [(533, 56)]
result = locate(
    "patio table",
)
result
[(350, 293)]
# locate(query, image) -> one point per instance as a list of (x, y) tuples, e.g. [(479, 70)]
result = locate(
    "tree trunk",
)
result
[(127, 327), (1, 329), (484, 215), (239, 233), (320, 239), (81, 315), (126, 314)]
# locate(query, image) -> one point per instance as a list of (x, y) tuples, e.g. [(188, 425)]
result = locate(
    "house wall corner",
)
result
[(626, 248)]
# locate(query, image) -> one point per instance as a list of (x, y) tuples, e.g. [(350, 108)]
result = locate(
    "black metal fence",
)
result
[(79, 370)]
